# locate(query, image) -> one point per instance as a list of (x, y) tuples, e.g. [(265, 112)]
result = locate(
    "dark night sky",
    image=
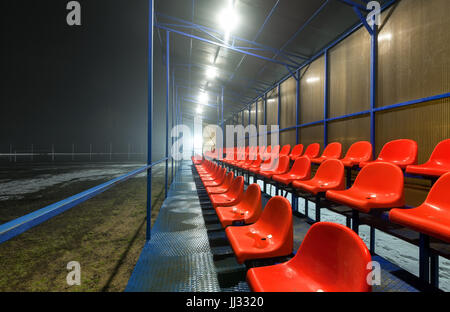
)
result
[(81, 84)]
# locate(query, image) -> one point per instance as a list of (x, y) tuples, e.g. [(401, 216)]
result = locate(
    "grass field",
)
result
[(104, 234)]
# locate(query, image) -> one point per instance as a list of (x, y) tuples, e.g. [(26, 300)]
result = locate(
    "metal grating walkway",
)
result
[(178, 256)]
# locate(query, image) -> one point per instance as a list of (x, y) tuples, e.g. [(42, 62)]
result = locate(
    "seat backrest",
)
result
[(251, 201), (331, 171), (270, 164), (333, 150), (380, 178), (276, 218), (283, 164), (275, 151), (285, 150), (359, 151), (333, 255), (441, 152), (221, 174), (438, 195), (313, 150), (297, 150), (302, 167), (403, 151), (228, 179), (237, 187), (257, 162)]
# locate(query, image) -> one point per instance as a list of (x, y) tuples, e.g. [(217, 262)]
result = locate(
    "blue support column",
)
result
[(373, 77), (166, 180), (265, 108), (173, 109), (279, 104), (223, 128), (325, 101), (297, 108), (150, 119)]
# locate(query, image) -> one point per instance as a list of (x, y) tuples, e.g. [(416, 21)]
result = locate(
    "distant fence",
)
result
[(18, 226)]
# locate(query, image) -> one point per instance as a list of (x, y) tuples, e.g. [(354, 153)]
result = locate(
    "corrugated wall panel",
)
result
[(288, 92), (311, 134), (260, 112), (253, 114), (414, 49), (349, 72), (288, 137), (311, 92), (349, 131), (246, 115), (272, 107)]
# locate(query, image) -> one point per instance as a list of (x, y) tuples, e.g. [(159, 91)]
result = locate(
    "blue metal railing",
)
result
[(18, 226)]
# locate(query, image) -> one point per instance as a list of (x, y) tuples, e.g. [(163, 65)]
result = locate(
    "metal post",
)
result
[(173, 110), (424, 257), (90, 151), (150, 118), (279, 105), (373, 77), (325, 101), (372, 240), (434, 270), (297, 108), (167, 110), (219, 157), (32, 151)]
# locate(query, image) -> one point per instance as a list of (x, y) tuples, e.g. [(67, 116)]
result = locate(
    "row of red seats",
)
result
[(331, 256), (379, 185), (402, 153)]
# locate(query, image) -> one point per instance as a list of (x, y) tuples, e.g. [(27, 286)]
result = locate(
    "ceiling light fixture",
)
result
[(228, 21), (203, 98), (211, 73)]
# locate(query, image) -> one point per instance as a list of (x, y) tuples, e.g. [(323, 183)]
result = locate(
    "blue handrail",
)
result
[(18, 226)]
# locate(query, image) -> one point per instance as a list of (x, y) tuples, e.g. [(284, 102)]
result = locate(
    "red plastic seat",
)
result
[(357, 153), (218, 181), (332, 151), (378, 185), (210, 176), (312, 151), (437, 165), (301, 170), (285, 150), (255, 166), (230, 197), (433, 216), (223, 187), (331, 258), (401, 152), (329, 176), (281, 167), (296, 152), (269, 237), (248, 210)]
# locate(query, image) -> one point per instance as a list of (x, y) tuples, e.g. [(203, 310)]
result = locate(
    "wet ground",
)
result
[(104, 234)]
